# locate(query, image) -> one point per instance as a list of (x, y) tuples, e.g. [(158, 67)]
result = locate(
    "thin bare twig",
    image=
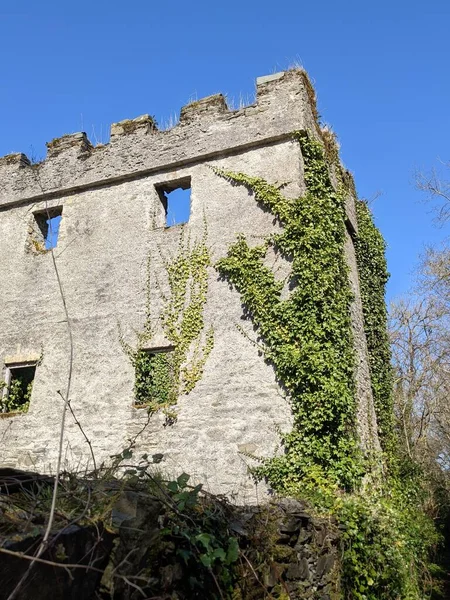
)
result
[(77, 422)]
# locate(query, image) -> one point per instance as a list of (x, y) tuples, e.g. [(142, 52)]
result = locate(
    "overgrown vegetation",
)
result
[(387, 538), (387, 535), (373, 275), (161, 377), (155, 381), (415, 481), (18, 396), (145, 536), (184, 544), (419, 330), (307, 338)]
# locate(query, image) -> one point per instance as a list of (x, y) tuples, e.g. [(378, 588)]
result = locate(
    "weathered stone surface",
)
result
[(299, 570), (282, 106), (324, 565)]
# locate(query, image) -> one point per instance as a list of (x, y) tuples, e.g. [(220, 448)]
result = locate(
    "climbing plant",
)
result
[(18, 397), (154, 378), (162, 376), (307, 336), (370, 254), (182, 317)]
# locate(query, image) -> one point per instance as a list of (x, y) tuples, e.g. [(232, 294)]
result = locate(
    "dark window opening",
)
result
[(17, 388), (155, 385), (48, 222), (176, 200)]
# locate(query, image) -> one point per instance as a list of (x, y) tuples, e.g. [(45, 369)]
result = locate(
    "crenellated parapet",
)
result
[(207, 129)]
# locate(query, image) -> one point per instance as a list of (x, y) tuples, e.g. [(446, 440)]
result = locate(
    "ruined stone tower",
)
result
[(112, 252)]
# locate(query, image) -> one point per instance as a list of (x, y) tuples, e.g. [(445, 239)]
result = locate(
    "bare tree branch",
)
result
[(437, 189)]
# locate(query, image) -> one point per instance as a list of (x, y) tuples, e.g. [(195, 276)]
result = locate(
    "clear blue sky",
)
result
[(381, 70)]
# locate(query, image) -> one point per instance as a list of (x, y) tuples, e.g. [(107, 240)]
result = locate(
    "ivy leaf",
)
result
[(204, 539), (219, 553), (172, 486), (185, 554), (233, 551), (205, 560), (182, 480)]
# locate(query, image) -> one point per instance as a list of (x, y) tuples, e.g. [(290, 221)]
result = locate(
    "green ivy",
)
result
[(386, 541), (154, 379), (19, 396), (204, 543), (370, 253), (161, 377), (307, 337), (182, 317)]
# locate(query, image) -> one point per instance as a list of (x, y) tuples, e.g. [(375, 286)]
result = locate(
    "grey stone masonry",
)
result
[(112, 222)]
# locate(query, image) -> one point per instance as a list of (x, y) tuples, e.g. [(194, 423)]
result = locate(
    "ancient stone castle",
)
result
[(88, 240)]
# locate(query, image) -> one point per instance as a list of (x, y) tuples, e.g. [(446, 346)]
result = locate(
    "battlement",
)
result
[(207, 129)]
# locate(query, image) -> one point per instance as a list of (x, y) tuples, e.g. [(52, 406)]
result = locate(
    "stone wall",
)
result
[(112, 222)]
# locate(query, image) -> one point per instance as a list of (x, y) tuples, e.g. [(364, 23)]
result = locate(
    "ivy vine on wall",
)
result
[(18, 397), (370, 254), (307, 337), (162, 376)]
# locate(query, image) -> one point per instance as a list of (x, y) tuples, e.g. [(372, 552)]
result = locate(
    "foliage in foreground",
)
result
[(178, 542), (189, 531), (188, 545)]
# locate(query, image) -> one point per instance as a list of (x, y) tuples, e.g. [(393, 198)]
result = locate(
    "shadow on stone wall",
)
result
[(137, 543)]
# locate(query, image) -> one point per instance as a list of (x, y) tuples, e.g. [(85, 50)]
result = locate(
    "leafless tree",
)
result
[(420, 336), (436, 186), (421, 352)]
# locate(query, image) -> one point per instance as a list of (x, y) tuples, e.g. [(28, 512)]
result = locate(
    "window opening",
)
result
[(17, 387), (176, 199), (154, 384), (48, 222)]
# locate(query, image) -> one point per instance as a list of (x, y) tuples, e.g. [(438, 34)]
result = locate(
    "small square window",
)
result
[(176, 200), (154, 383), (45, 231), (17, 387)]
